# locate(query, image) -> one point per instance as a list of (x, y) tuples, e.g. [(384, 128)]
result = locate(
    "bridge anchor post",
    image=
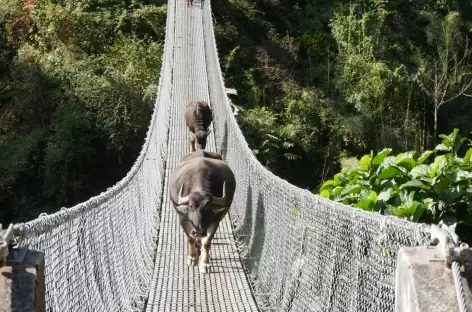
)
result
[(434, 278), (21, 276)]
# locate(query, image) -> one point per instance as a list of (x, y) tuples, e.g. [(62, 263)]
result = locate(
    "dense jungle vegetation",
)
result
[(320, 84), (77, 87)]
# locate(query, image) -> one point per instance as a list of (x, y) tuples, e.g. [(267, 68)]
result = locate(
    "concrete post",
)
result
[(22, 282), (425, 284)]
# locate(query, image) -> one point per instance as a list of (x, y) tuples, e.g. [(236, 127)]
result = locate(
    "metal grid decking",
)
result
[(176, 286)]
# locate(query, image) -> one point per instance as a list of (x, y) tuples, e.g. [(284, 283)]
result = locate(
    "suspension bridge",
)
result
[(280, 248)]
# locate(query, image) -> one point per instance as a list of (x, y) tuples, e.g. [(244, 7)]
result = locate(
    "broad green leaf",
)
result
[(384, 195), (419, 171), (327, 185), (447, 140), (461, 174), (364, 163), (402, 156), (403, 196), (389, 161), (407, 161), (389, 172), (467, 156), (389, 184), (399, 157), (351, 189), (373, 196), (414, 183), (436, 167), (337, 180), (364, 194), (427, 180), (363, 182), (365, 204), (336, 191), (410, 199), (442, 147), (379, 158), (325, 194), (442, 186), (355, 174), (401, 212), (423, 157), (416, 211)]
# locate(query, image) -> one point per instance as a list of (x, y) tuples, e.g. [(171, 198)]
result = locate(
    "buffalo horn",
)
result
[(220, 201), (182, 200)]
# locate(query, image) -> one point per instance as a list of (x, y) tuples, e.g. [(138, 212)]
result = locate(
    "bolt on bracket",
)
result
[(448, 246)]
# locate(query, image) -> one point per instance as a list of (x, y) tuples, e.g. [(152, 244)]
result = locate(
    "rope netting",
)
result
[(302, 252)]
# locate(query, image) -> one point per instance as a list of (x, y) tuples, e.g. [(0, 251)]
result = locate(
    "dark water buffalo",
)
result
[(201, 189), (198, 118)]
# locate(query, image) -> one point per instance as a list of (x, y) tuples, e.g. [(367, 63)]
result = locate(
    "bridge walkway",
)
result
[(176, 286)]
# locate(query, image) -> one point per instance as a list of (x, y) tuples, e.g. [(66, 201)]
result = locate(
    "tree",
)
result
[(448, 74)]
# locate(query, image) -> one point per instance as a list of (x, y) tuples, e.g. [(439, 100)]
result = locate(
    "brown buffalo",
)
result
[(201, 189), (198, 118)]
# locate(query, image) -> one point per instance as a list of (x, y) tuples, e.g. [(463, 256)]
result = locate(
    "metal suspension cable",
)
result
[(456, 274)]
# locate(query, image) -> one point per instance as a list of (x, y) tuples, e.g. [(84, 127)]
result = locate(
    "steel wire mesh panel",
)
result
[(303, 252), (99, 255)]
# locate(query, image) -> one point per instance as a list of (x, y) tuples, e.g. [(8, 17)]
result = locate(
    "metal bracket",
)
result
[(447, 244), (6, 237), (457, 253)]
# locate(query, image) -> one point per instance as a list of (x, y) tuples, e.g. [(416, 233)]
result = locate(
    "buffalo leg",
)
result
[(204, 264), (192, 143), (198, 245), (192, 252)]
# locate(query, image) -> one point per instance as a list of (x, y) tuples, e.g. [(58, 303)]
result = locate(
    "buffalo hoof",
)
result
[(204, 268), (192, 261)]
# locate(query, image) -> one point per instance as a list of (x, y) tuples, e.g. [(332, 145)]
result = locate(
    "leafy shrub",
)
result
[(78, 80), (418, 188)]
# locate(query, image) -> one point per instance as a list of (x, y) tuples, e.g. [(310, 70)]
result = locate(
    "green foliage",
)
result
[(429, 187), (76, 97), (341, 77), (69, 149)]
